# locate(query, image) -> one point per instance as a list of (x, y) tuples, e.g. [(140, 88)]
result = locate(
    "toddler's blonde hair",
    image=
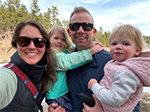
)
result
[(64, 33), (127, 30)]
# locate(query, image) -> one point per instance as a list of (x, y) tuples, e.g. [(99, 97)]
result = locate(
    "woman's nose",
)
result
[(31, 45)]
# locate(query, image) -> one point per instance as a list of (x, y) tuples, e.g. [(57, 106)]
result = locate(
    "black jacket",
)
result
[(23, 100)]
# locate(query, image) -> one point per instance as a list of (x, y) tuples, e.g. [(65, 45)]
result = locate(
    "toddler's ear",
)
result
[(138, 51), (68, 30)]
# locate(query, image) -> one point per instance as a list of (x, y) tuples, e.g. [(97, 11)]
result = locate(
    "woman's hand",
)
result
[(96, 108)]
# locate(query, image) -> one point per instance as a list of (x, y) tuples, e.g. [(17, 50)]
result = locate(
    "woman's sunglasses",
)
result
[(25, 41), (85, 26)]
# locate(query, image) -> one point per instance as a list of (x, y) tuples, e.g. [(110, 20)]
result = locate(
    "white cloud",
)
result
[(99, 2)]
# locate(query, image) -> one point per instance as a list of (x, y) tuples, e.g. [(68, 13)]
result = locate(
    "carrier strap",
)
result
[(24, 78)]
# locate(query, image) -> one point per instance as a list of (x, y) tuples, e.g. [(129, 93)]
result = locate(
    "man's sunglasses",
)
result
[(85, 26), (25, 41)]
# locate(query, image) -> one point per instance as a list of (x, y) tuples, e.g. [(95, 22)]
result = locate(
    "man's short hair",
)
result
[(78, 10)]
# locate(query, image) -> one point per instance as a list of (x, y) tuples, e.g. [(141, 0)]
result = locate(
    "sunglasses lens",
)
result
[(39, 42), (85, 26), (74, 26), (23, 41)]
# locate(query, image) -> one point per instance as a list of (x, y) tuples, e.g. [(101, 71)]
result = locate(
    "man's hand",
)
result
[(96, 108), (58, 109)]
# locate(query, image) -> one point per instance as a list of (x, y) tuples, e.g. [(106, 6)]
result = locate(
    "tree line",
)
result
[(13, 12)]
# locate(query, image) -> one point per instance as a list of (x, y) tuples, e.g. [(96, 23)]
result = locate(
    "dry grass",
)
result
[(145, 102), (5, 51), (107, 48)]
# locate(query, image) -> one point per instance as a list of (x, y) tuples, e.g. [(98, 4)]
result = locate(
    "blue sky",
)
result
[(106, 13)]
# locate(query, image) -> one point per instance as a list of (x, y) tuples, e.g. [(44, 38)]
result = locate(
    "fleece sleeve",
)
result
[(73, 60), (8, 86), (125, 83)]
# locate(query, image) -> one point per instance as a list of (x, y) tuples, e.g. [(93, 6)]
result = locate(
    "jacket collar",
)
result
[(34, 72)]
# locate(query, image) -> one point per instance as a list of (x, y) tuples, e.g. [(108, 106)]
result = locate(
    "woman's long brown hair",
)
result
[(49, 77)]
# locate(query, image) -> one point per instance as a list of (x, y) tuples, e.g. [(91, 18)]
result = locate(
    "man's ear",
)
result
[(138, 51), (68, 30), (94, 31)]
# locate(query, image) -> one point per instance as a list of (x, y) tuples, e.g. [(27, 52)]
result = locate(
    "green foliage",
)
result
[(13, 12), (65, 24), (147, 39), (47, 20), (102, 37), (34, 9), (54, 15)]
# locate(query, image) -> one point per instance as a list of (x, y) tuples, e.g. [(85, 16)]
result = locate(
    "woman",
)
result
[(33, 57)]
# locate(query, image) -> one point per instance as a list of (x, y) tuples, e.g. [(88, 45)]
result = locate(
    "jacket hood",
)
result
[(140, 66)]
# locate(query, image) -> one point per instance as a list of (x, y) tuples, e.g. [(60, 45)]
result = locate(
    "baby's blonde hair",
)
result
[(64, 33), (127, 30)]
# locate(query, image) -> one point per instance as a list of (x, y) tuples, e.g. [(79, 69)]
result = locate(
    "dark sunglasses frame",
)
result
[(24, 41), (85, 26)]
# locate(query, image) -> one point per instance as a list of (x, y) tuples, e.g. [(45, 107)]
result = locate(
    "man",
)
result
[(81, 31)]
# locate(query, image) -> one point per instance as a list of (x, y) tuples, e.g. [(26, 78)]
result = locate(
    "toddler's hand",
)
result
[(91, 82), (98, 43), (97, 47)]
